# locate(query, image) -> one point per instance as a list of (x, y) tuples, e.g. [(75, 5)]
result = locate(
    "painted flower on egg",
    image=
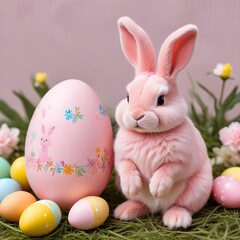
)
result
[(73, 116), (102, 160), (102, 110)]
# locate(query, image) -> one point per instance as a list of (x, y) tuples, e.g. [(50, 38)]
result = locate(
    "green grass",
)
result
[(212, 222)]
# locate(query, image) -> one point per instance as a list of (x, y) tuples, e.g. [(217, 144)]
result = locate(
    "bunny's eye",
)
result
[(160, 100), (128, 98)]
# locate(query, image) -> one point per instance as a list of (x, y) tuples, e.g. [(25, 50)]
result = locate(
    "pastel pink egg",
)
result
[(226, 191), (88, 213), (69, 145)]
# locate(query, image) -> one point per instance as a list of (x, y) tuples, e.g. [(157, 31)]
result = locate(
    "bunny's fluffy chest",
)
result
[(150, 151)]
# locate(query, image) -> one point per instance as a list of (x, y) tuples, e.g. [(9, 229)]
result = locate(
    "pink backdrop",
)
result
[(79, 39)]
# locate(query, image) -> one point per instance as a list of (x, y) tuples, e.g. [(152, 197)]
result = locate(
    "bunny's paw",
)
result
[(160, 185), (131, 183), (176, 217), (130, 210)]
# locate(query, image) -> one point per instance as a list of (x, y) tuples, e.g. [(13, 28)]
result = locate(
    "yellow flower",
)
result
[(98, 150), (68, 170), (41, 77), (223, 70)]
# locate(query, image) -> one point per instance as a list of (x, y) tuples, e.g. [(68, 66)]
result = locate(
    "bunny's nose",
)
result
[(138, 118), (137, 115)]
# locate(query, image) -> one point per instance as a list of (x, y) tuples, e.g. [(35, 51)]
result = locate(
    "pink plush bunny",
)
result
[(45, 142), (160, 157)]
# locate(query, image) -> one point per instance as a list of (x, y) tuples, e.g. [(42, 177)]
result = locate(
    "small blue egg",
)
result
[(7, 186)]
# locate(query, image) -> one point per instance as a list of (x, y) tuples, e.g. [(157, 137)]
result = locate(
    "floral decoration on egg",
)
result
[(102, 110), (93, 165), (73, 116)]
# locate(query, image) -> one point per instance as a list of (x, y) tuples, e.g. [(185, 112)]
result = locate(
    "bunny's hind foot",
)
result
[(130, 210), (176, 217)]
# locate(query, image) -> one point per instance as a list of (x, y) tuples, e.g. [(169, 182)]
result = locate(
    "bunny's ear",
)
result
[(50, 131), (176, 51), (136, 45)]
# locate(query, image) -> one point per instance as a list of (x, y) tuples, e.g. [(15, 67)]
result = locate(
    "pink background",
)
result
[(79, 39)]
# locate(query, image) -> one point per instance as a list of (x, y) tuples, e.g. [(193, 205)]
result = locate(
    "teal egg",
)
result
[(4, 168)]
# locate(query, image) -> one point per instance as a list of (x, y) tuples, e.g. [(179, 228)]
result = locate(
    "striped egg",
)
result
[(40, 218), (88, 213)]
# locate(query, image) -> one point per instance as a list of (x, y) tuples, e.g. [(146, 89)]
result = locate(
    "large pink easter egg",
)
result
[(69, 145)]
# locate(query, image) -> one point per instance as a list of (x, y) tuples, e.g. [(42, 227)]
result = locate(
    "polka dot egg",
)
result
[(226, 191)]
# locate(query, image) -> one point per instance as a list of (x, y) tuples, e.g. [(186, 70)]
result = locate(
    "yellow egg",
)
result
[(88, 213), (14, 204), (40, 218), (232, 172), (18, 173)]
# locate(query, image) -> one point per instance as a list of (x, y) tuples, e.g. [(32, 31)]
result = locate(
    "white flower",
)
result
[(217, 160), (218, 69), (8, 140), (226, 156)]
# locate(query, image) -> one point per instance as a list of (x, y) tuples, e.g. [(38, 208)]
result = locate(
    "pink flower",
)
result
[(230, 136), (8, 140)]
